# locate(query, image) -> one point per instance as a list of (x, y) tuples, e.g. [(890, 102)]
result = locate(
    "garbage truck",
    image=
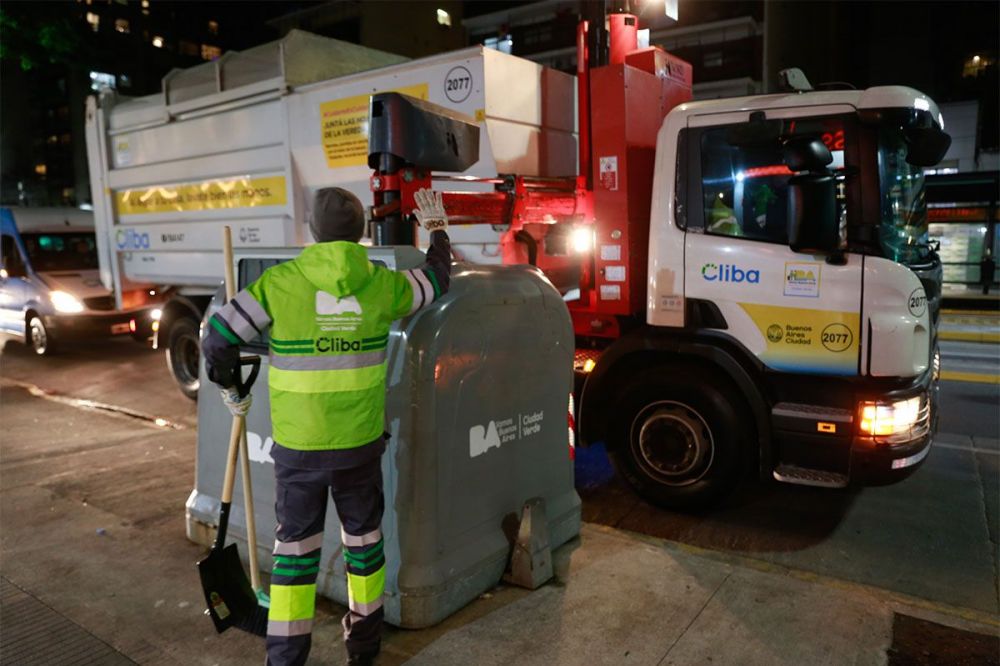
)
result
[(246, 140), (750, 279)]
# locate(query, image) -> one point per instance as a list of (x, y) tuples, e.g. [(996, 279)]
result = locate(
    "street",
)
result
[(98, 439)]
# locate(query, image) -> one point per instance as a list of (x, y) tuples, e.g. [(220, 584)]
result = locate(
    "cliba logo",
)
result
[(729, 273), (324, 344), (130, 239)]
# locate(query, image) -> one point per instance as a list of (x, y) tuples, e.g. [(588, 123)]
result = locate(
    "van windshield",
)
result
[(62, 251)]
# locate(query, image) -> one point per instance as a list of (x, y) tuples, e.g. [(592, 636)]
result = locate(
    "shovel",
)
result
[(230, 598)]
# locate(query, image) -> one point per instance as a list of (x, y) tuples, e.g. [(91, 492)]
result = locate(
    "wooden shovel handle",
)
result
[(234, 450)]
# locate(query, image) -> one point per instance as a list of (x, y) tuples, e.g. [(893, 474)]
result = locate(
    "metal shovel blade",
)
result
[(228, 595)]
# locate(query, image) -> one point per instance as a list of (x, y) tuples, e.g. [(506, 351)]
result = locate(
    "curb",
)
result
[(972, 377), (970, 336)]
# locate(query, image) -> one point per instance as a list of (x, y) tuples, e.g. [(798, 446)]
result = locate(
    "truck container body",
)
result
[(247, 140)]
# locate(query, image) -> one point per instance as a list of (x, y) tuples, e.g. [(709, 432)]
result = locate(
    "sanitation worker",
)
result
[(329, 312)]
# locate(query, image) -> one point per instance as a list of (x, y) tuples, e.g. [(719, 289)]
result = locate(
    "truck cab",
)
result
[(792, 299)]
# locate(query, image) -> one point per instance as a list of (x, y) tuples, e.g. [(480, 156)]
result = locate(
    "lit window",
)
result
[(121, 25), (213, 27), (100, 80), (209, 52), (94, 20), (41, 169), (54, 138), (974, 65), (158, 41), (444, 18)]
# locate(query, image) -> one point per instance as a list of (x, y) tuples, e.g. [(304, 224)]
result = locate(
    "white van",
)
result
[(50, 287)]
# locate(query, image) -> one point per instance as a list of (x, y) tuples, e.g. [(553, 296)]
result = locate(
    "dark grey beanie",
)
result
[(337, 216)]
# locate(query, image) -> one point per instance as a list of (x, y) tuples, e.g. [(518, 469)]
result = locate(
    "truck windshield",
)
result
[(903, 226), (62, 251)]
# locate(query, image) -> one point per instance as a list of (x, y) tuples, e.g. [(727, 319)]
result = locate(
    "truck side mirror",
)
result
[(812, 202), (926, 146), (806, 154), (812, 213)]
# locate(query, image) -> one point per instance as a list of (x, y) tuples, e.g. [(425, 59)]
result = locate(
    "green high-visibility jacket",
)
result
[(329, 312)]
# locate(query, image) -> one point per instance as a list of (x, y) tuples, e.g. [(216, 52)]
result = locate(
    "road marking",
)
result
[(970, 449), (93, 405), (982, 313), (970, 336), (973, 377)]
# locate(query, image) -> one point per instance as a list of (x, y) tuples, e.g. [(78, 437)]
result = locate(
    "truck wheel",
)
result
[(39, 337), (183, 354), (679, 435)]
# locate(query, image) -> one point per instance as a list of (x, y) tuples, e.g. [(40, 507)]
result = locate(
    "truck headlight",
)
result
[(886, 419), (156, 314), (66, 303)]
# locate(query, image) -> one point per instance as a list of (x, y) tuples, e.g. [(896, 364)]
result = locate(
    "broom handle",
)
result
[(248, 506), (240, 423)]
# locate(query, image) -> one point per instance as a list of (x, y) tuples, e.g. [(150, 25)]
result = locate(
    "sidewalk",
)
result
[(617, 599)]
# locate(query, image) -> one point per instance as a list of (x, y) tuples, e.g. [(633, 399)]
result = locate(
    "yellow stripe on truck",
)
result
[(238, 192), (801, 340)]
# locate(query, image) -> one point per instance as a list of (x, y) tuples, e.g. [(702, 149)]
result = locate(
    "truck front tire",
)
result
[(679, 436), (183, 354)]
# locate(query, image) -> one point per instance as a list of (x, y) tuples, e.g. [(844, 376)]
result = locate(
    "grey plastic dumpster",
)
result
[(478, 391)]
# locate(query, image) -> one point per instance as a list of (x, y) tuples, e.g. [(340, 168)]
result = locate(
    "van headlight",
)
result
[(65, 303)]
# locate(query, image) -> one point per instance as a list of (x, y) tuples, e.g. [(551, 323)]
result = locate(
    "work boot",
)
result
[(362, 659)]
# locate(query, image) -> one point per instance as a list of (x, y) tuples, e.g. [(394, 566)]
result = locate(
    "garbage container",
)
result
[(476, 408)]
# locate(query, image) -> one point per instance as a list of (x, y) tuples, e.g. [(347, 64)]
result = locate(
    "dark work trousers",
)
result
[(300, 509)]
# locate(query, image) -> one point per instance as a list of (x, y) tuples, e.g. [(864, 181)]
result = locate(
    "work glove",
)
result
[(237, 406), (430, 210)]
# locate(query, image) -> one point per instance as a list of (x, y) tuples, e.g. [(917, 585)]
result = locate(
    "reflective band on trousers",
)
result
[(293, 628), (307, 545), (364, 610), (338, 362), (363, 540), (292, 602), (365, 590)]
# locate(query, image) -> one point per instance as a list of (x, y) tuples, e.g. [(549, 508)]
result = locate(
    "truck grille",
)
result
[(100, 303)]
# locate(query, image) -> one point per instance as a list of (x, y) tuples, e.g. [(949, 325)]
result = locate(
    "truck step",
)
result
[(810, 477)]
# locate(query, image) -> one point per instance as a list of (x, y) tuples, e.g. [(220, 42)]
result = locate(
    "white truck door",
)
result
[(798, 313)]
